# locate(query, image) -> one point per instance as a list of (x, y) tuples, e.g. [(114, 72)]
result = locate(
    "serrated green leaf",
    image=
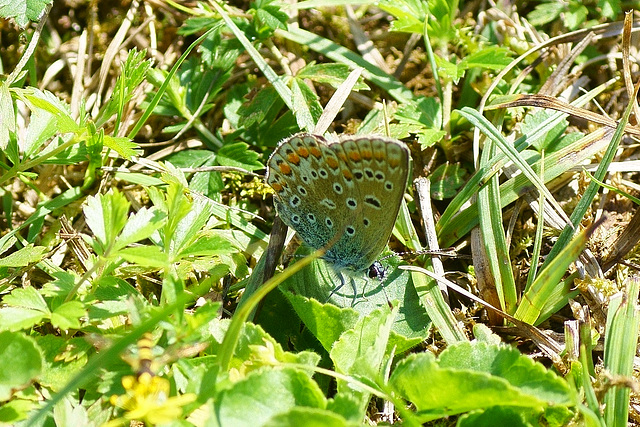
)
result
[(446, 180), (23, 362), (508, 363), (140, 226), (257, 391), (146, 256), (23, 11), (302, 106), (67, 316), (545, 13), (257, 108), (410, 15), (360, 350), (308, 417), (17, 318), (122, 145), (208, 245), (239, 155), (8, 123), (326, 321), (134, 70), (272, 17), (42, 126), (486, 375), (16, 410), (492, 58), (23, 257), (106, 216), (26, 298), (332, 74), (47, 101)]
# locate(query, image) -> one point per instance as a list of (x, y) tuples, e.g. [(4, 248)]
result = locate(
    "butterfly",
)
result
[(342, 196)]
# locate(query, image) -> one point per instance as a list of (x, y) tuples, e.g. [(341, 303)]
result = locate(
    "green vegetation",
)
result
[(136, 265)]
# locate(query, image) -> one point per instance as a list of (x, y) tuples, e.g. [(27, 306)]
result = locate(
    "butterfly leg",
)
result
[(342, 283)]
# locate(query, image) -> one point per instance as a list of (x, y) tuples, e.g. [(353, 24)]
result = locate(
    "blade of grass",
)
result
[(243, 312), (437, 309), (590, 193), (277, 82), (623, 320), (543, 287), (162, 89), (493, 236), (451, 228), (572, 155), (537, 243), (341, 54), (488, 129)]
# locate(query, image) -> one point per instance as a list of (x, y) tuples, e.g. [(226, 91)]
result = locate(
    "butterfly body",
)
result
[(342, 196)]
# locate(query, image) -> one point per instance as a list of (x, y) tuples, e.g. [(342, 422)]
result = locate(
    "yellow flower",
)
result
[(147, 399)]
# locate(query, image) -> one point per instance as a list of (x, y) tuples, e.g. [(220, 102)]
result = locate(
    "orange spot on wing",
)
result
[(293, 158), (285, 168), (303, 152), (347, 174), (332, 162), (315, 151), (355, 156), (277, 187)]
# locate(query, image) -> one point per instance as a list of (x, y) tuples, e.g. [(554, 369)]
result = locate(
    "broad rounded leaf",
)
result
[(23, 362)]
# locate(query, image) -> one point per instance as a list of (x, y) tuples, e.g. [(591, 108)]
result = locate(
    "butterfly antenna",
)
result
[(386, 118)]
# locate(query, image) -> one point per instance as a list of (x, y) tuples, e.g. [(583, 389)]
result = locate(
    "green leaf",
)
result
[(304, 101), (45, 100), (133, 71), (122, 145), (332, 74), (446, 180), (16, 410), (360, 350), (545, 13), (146, 256), (208, 246), (610, 8), (42, 126), (67, 316), (493, 58), (8, 123), (319, 281), (106, 216), (272, 17), (308, 417), (486, 375), (410, 14), (63, 359), (17, 318), (26, 298), (23, 362), (239, 155), (495, 416), (23, 11), (576, 16), (326, 321), (23, 257), (268, 393), (258, 107), (140, 226)]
